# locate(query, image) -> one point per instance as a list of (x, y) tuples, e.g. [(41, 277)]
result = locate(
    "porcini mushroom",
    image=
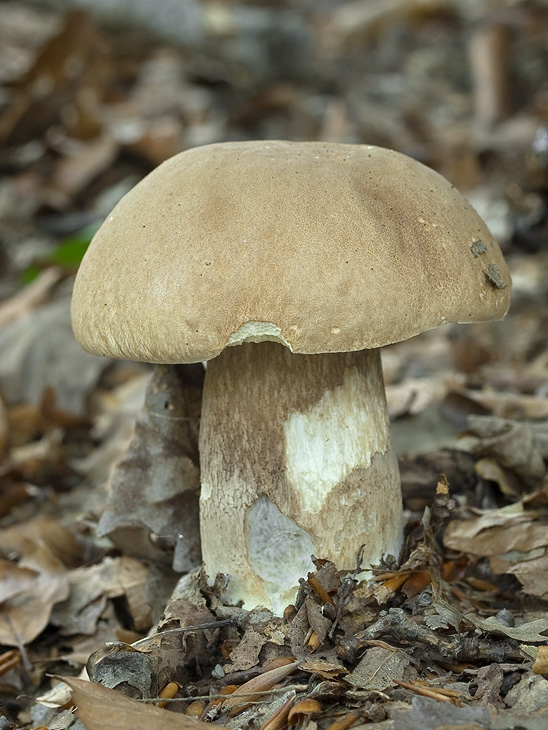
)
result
[(286, 266)]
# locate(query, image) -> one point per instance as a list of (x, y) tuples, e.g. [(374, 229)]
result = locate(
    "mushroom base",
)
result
[(296, 460)]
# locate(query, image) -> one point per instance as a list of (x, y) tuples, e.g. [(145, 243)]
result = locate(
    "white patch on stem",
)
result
[(338, 434)]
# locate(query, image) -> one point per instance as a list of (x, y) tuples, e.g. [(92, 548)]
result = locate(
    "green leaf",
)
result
[(70, 252)]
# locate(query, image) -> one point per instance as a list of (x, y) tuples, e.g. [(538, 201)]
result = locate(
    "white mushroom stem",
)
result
[(296, 460)]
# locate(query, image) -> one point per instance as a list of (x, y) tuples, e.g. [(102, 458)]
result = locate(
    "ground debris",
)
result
[(453, 634), (433, 646), (428, 714)]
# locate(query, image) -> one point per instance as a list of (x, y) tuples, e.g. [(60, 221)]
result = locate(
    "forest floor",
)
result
[(453, 636)]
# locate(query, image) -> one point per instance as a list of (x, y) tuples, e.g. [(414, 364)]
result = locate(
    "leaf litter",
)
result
[(454, 634)]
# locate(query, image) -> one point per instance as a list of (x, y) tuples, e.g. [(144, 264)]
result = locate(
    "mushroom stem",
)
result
[(296, 460)]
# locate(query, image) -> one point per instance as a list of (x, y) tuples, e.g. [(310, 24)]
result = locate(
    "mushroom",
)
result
[(286, 266)]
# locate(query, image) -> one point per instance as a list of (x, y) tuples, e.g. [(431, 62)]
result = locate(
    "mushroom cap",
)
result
[(323, 247)]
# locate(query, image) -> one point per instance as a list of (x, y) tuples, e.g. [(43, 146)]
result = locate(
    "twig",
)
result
[(185, 630), (275, 690)]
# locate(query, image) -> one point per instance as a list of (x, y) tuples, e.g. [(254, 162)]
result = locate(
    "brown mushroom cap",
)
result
[(340, 247)]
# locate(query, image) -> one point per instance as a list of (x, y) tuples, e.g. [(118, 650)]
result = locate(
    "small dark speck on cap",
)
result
[(477, 248), (493, 274)]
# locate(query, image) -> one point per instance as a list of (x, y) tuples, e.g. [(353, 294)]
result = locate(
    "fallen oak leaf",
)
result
[(100, 708)]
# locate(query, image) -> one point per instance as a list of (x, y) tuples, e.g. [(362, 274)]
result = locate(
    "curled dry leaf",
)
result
[(45, 550), (519, 447), (26, 615), (91, 585), (100, 708), (180, 639), (125, 576), (532, 573), (496, 533), (278, 719), (14, 580), (155, 486), (42, 530), (319, 623), (345, 722), (533, 632)]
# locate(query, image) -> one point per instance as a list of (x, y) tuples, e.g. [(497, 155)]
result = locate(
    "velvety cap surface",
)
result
[(340, 247)]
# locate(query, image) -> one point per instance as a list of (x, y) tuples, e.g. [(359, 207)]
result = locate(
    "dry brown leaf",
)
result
[(100, 708), (508, 482), (30, 361), (91, 585), (324, 668), (533, 575), (540, 665), (42, 530), (519, 447), (66, 63), (278, 719), (515, 541), (82, 162), (30, 297), (344, 723), (174, 650), (380, 667), (319, 623), (26, 615), (514, 532), (155, 486), (14, 580), (246, 654), (413, 395)]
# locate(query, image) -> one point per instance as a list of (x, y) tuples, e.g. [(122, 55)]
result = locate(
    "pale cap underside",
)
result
[(336, 247)]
